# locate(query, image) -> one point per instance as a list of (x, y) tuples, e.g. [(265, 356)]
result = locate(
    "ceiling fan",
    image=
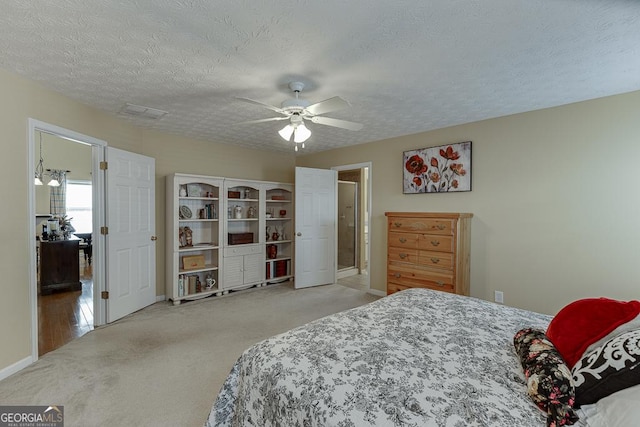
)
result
[(297, 110)]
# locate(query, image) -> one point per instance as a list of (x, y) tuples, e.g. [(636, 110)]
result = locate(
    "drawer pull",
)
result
[(397, 224), (439, 283), (435, 260), (435, 243), (397, 275), (441, 226), (403, 240), (402, 255)]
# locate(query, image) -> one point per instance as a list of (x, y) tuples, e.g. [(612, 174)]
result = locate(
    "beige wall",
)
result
[(555, 199), (22, 99), (554, 195)]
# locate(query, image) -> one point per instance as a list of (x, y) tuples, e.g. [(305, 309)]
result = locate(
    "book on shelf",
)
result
[(210, 211), (192, 284), (281, 268), (181, 285), (201, 244)]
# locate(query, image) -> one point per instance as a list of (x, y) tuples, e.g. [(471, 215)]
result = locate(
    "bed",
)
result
[(415, 358), (426, 358)]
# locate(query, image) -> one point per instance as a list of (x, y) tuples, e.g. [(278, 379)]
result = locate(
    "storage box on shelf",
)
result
[(278, 232), (193, 235), (239, 238)]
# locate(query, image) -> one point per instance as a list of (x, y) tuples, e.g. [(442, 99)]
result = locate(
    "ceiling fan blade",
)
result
[(332, 104), (270, 119), (336, 123), (262, 104)]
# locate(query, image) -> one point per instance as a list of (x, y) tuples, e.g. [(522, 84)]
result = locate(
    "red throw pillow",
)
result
[(585, 321)]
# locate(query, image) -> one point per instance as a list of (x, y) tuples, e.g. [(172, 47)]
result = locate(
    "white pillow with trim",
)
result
[(618, 409)]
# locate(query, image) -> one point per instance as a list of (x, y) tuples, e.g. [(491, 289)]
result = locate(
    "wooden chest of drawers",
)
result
[(428, 250)]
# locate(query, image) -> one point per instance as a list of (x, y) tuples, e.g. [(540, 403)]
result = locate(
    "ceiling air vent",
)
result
[(142, 112)]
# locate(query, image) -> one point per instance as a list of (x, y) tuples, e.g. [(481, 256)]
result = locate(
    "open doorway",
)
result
[(63, 205), (353, 225), (348, 225), (73, 276)]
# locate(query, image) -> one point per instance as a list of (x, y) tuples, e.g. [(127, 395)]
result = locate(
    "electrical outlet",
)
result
[(499, 297)]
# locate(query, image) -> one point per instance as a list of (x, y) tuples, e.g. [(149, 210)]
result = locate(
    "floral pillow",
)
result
[(612, 367), (548, 377)]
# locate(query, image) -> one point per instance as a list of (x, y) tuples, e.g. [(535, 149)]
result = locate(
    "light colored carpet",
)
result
[(164, 365)]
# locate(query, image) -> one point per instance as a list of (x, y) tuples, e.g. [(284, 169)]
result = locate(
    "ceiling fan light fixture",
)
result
[(301, 134), (286, 132), (297, 110)]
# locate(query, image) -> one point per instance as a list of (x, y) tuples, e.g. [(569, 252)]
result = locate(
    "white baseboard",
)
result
[(160, 298), (377, 292), (346, 273), (18, 366)]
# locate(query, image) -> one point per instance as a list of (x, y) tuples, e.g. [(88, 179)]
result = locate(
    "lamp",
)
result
[(286, 132), (56, 177), (297, 129), (301, 134), (54, 181), (39, 167)]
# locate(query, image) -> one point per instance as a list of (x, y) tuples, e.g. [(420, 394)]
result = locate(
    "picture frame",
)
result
[(194, 190), (441, 169)]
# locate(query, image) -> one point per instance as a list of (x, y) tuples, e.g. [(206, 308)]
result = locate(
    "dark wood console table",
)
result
[(59, 266)]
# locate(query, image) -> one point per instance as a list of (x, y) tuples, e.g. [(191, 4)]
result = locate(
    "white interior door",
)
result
[(131, 250), (315, 208)]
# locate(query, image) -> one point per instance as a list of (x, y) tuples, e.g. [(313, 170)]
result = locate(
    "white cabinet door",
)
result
[(253, 266), (243, 269), (233, 274)]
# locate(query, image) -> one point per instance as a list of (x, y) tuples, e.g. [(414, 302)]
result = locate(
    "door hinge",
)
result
[(104, 166), (104, 230), (104, 294)]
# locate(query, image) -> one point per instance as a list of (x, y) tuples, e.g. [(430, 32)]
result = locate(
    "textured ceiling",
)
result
[(405, 66)]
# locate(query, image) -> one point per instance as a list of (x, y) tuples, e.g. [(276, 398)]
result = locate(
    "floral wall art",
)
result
[(443, 169)]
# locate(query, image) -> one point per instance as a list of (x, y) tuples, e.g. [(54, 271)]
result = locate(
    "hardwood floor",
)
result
[(64, 316)]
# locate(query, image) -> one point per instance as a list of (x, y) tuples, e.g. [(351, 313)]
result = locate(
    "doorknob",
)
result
[(298, 234), (154, 238)]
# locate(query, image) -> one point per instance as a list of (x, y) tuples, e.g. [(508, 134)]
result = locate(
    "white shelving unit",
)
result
[(194, 234), (227, 221), (278, 232), (244, 243)]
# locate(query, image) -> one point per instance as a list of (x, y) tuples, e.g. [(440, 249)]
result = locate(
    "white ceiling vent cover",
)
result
[(142, 112)]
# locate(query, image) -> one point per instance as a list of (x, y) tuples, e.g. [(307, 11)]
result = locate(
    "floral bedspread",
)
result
[(415, 358)]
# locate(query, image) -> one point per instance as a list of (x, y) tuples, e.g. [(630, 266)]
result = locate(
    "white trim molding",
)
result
[(18, 366)]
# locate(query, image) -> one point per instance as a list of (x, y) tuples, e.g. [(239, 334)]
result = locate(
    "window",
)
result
[(79, 202)]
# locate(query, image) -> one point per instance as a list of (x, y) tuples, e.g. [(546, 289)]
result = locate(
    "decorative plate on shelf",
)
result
[(185, 212)]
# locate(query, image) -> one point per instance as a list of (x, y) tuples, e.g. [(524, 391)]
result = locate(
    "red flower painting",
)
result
[(448, 169), (416, 165), (449, 154)]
